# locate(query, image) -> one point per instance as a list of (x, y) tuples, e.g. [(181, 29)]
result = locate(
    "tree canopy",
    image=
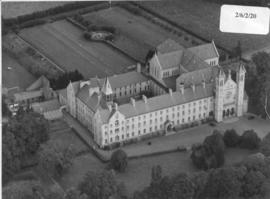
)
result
[(119, 160)]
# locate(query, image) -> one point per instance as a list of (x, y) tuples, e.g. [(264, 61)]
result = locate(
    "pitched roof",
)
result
[(106, 88), (170, 60), (191, 62), (161, 102), (197, 76), (46, 106), (169, 45), (27, 95), (93, 102), (205, 51)]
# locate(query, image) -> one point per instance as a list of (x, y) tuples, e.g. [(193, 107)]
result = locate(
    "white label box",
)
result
[(244, 19)]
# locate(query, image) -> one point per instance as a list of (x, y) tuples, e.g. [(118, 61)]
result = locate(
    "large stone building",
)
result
[(185, 85)]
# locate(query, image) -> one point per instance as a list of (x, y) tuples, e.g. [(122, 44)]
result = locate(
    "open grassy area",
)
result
[(64, 44), (138, 173), (202, 18), (13, 74), (136, 35)]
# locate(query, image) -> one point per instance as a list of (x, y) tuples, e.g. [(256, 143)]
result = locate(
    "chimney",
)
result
[(229, 74), (115, 106), (132, 100), (170, 91), (110, 107), (144, 99), (181, 86), (193, 87), (139, 67)]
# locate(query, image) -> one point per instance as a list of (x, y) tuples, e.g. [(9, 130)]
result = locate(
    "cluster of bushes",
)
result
[(248, 140), (48, 12), (249, 179)]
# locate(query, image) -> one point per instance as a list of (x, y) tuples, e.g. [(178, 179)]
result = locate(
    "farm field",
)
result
[(136, 35), (64, 44), (202, 18), (14, 9), (138, 174)]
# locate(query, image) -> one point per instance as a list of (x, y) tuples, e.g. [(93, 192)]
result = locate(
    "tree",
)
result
[(55, 160), (183, 187), (199, 179), (30, 130), (224, 183), (119, 160), (210, 154), (250, 140), (21, 190), (73, 193), (253, 184), (99, 185), (265, 145), (11, 154), (5, 110), (231, 138), (156, 174)]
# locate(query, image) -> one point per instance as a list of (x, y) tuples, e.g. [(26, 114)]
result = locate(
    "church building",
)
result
[(183, 85)]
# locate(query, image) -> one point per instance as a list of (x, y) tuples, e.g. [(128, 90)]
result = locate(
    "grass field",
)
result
[(14, 9), (136, 34), (138, 173), (17, 75), (64, 44), (202, 18)]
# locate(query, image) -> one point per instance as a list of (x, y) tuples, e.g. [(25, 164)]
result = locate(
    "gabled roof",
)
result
[(191, 62), (197, 76), (93, 102), (170, 60), (205, 51), (169, 45), (161, 102), (106, 88), (39, 83)]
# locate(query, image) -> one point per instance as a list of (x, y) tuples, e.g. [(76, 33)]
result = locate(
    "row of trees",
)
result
[(249, 179), (210, 153), (63, 80), (51, 11), (258, 83), (93, 27)]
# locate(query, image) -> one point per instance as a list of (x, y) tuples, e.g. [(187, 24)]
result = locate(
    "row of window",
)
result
[(151, 129)]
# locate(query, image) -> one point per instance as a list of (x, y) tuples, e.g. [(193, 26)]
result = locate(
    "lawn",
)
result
[(136, 35), (202, 18), (138, 173), (64, 44), (13, 74)]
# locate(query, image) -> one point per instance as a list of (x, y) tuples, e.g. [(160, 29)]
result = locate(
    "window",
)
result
[(161, 119), (183, 112), (123, 136), (194, 110), (183, 120), (150, 129), (117, 138), (127, 135), (194, 117), (144, 123), (139, 125), (116, 122), (144, 130), (105, 132), (122, 128), (188, 118), (133, 133), (111, 139), (139, 132), (111, 131), (150, 114), (117, 130), (150, 121), (106, 141)]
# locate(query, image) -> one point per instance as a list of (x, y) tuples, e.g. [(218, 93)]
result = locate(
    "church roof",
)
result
[(197, 76), (170, 60), (205, 51)]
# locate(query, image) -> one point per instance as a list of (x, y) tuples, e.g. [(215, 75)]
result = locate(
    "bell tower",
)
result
[(219, 95), (240, 80)]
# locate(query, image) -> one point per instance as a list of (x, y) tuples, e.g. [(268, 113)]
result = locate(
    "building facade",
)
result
[(116, 109)]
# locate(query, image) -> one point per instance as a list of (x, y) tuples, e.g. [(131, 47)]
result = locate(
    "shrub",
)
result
[(119, 160), (231, 138), (250, 140), (265, 145)]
